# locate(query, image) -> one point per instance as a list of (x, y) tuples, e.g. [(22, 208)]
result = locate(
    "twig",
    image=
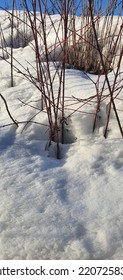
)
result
[(15, 122)]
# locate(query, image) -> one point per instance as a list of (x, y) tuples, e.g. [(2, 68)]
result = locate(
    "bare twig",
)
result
[(15, 122)]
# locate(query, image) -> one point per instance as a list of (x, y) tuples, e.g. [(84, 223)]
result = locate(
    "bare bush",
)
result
[(89, 42)]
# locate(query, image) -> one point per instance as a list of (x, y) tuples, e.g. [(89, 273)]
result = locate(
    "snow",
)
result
[(70, 208)]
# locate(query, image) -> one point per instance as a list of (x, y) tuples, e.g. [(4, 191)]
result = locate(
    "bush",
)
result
[(88, 42)]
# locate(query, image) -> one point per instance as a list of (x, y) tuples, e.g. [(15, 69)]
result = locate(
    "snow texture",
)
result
[(70, 208)]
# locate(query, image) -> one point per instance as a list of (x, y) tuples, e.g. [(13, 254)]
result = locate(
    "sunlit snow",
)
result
[(70, 208)]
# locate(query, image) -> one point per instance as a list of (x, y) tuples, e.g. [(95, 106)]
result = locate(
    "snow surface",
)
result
[(70, 208)]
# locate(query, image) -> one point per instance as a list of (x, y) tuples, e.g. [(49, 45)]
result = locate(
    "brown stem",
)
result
[(15, 122)]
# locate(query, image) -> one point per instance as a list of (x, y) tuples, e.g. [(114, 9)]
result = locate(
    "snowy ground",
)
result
[(70, 208)]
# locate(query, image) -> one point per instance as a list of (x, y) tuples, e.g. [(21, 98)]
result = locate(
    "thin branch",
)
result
[(7, 109)]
